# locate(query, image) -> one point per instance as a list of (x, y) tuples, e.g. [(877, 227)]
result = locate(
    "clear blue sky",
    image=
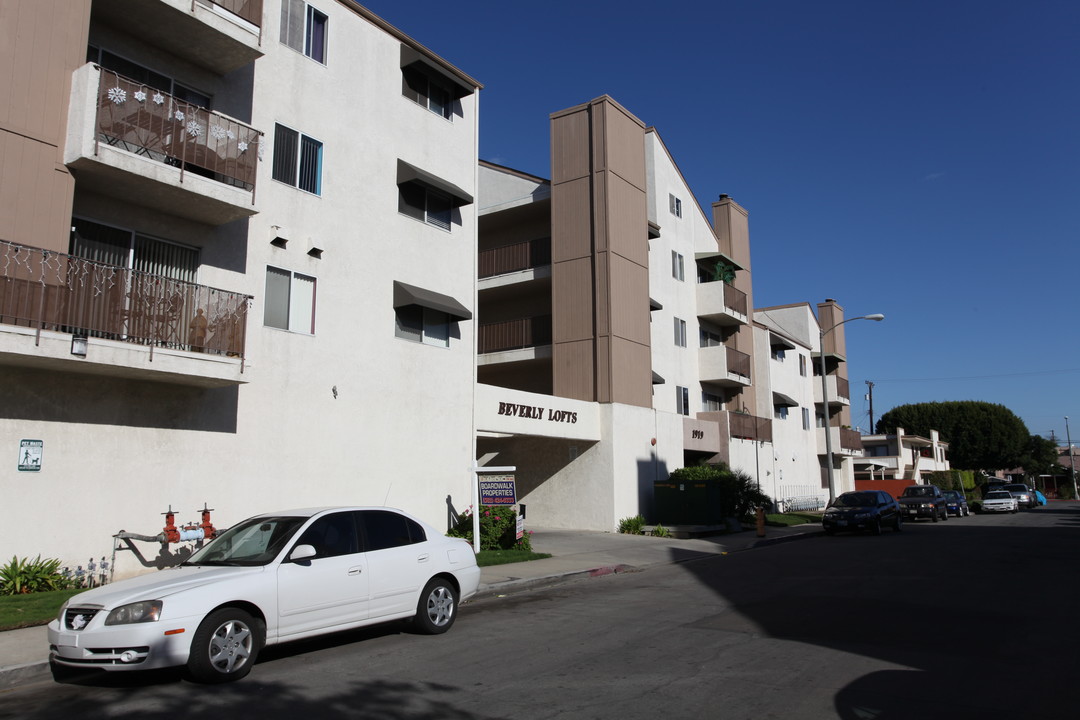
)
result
[(920, 159)]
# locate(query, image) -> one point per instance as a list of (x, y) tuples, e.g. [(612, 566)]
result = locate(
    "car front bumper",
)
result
[(998, 508), (139, 646), (918, 512)]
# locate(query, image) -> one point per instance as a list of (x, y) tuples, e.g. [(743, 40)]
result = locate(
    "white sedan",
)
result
[(270, 579), (1000, 501)]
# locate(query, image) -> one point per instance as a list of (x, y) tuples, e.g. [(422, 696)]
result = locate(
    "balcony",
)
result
[(142, 146), (749, 427), (516, 334), (845, 441), (721, 304), (839, 390), (219, 35), (721, 365), (527, 255), (137, 325)]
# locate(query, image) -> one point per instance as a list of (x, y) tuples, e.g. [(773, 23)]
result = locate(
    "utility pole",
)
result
[(1072, 463), (870, 396)]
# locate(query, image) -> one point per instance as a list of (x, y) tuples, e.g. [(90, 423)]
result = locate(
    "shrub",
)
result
[(737, 494), (498, 529), (29, 576), (632, 525), (661, 531)]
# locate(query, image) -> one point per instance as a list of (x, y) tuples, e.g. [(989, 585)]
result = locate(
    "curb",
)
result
[(16, 675), (501, 588)]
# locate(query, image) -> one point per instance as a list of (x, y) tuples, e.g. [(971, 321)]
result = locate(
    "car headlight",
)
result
[(140, 612)]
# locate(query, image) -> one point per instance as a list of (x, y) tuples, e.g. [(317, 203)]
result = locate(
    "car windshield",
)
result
[(855, 499), (918, 491), (253, 542), (997, 495), (952, 495)]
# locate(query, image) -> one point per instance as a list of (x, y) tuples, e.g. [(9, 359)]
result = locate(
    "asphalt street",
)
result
[(970, 618)]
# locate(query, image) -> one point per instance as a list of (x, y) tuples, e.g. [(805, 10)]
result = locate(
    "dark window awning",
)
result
[(654, 305), (782, 399), (780, 341), (411, 173), (413, 57), (656, 379), (411, 295)]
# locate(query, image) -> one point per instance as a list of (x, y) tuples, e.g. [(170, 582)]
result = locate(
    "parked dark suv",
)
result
[(924, 501), (868, 510)]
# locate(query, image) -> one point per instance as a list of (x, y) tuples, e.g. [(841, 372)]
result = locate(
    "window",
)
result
[(682, 400), (780, 412), (778, 353), (802, 364), (806, 418), (425, 204), (425, 90), (332, 536), (711, 403), (146, 76), (289, 301), (674, 205), (422, 325), (680, 332), (303, 28), (297, 160), (677, 266), (708, 338), (386, 530), (126, 248)]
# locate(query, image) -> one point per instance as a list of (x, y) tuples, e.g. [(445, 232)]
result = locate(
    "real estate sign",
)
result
[(497, 490)]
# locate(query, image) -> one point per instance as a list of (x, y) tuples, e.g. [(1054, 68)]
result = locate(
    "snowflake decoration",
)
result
[(159, 99), (194, 129), (140, 96), (241, 146), (218, 132), (179, 116), (230, 134), (118, 95)]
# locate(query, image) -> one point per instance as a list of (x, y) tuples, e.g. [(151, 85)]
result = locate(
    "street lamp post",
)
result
[(877, 317), (1072, 463)]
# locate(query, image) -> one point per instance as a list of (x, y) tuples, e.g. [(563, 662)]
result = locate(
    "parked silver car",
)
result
[(1025, 496), (999, 501)]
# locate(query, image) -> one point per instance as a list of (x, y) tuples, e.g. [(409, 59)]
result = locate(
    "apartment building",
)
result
[(237, 268), (799, 354), (613, 305), (901, 456)]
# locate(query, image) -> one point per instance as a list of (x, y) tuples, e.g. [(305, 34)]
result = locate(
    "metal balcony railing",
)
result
[(738, 362), (47, 290), (148, 122), (514, 334), (850, 439), (735, 299), (514, 258)]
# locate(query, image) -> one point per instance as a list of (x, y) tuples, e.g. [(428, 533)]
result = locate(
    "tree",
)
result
[(1040, 456), (981, 435)]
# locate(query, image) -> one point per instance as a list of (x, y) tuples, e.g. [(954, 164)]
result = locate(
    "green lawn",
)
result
[(793, 518), (18, 611), (504, 557)]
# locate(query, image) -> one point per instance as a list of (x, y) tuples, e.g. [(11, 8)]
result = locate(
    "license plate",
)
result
[(841, 522)]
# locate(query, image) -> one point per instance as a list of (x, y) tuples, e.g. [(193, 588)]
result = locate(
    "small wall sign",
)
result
[(30, 455)]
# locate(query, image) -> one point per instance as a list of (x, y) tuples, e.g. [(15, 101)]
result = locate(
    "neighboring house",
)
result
[(902, 457), (256, 221)]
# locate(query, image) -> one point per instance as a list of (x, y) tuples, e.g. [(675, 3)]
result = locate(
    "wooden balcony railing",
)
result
[(249, 10), (514, 334), (47, 290), (738, 362), (735, 299), (145, 121), (850, 439), (514, 258), (750, 427)]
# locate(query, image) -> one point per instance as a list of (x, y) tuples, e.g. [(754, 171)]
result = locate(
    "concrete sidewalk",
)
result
[(575, 554)]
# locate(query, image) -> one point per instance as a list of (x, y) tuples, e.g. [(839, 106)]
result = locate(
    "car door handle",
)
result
[(422, 558), (356, 570)]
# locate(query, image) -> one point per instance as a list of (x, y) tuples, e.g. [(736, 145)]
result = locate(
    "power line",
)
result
[(983, 377)]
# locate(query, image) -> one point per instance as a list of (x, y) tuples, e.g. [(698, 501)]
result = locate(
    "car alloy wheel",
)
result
[(437, 608), (225, 646)]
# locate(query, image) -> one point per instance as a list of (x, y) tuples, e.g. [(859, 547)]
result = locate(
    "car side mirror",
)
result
[(302, 552)]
